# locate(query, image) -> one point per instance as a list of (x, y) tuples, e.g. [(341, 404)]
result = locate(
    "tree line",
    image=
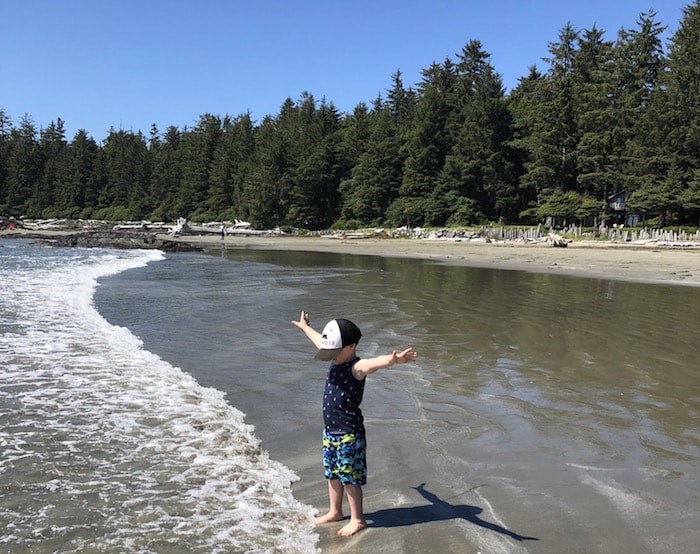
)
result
[(603, 119)]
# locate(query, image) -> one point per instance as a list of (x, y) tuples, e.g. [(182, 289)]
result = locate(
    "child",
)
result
[(344, 432)]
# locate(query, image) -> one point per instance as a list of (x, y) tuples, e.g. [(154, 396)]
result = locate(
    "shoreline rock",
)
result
[(117, 239)]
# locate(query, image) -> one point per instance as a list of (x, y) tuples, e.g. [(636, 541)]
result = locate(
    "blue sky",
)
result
[(127, 64)]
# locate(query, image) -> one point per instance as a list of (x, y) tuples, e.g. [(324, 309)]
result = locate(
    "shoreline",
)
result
[(622, 262), (643, 263)]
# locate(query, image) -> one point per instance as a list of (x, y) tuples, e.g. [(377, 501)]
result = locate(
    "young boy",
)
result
[(344, 441)]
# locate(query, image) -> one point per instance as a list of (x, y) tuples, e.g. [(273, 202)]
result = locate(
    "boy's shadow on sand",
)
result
[(437, 510)]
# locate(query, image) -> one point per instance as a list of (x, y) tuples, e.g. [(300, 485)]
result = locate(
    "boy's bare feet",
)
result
[(330, 516), (353, 527)]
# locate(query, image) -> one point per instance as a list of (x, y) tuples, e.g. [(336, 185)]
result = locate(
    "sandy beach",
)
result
[(646, 264)]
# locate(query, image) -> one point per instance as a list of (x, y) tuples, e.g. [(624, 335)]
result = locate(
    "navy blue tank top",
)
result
[(341, 400)]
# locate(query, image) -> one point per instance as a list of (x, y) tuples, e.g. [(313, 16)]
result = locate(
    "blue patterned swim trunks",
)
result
[(344, 458)]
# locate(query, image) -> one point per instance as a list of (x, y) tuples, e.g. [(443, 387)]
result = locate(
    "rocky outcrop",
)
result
[(119, 240)]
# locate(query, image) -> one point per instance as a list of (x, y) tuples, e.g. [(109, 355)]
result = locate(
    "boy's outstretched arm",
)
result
[(303, 324), (367, 366)]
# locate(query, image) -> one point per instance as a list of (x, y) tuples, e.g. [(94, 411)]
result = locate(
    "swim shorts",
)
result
[(344, 458)]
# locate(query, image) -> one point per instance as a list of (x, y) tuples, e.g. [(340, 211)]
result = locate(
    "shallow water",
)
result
[(545, 414)]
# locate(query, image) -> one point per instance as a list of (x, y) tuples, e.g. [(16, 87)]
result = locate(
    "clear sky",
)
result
[(128, 64)]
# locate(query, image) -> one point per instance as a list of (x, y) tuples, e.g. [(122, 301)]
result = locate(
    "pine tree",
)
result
[(523, 103), (595, 115), (638, 62), (667, 147), (320, 170), (52, 149), (244, 146), (126, 168), (683, 91), (376, 177), (477, 180), (427, 144), (5, 143), (401, 102), (547, 129), (262, 185), (198, 147), (23, 168), (166, 178), (564, 135), (76, 194), (356, 129)]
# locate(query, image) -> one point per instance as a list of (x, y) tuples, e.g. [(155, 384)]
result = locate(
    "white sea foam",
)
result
[(105, 446)]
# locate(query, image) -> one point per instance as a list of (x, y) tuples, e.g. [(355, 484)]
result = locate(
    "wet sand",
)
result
[(433, 488), (643, 263)]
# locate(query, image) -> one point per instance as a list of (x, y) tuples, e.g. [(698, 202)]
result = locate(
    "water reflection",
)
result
[(584, 356)]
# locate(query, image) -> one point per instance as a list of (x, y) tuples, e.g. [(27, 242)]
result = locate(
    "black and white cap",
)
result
[(336, 335)]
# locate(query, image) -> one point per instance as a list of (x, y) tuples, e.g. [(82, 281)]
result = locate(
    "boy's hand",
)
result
[(303, 320), (367, 366), (403, 357), (303, 324)]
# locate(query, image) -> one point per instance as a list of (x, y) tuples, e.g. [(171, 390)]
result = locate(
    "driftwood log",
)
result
[(554, 240)]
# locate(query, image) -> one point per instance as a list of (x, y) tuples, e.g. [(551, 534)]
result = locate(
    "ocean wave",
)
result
[(106, 446)]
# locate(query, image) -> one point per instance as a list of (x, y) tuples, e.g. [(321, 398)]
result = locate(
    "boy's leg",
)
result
[(335, 501), (344, 457), (357, 517)]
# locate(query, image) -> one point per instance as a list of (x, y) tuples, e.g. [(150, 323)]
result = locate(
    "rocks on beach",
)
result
[(120, 240)]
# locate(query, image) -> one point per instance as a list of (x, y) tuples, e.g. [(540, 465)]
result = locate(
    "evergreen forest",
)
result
[(599, 119)]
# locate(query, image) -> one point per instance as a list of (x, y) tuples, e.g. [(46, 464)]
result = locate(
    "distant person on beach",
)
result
[(344, 442)]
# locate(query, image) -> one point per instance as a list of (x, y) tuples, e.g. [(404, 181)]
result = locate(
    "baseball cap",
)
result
[(336, 335)]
